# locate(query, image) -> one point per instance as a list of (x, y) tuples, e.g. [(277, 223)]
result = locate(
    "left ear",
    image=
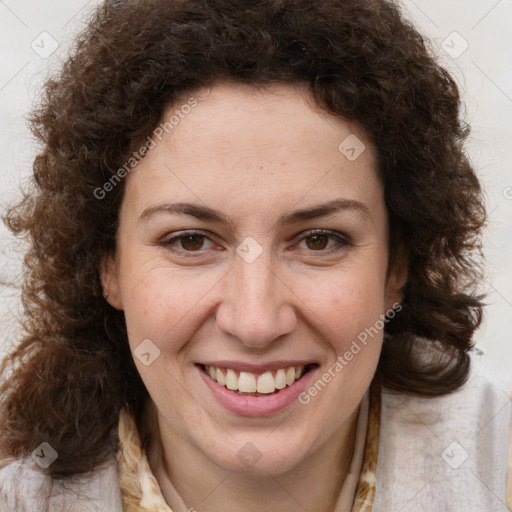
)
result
[(397, 277), (110, 281)]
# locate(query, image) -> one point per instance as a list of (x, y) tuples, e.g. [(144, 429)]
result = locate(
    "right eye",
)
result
[(187, 242)]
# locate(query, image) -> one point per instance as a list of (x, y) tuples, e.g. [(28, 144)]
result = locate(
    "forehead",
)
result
[(261, 146), (238, 118)]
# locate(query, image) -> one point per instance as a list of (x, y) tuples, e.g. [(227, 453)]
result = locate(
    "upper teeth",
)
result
[(246, 382)]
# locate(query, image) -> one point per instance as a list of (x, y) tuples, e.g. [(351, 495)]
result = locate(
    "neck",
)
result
[(183, 471)]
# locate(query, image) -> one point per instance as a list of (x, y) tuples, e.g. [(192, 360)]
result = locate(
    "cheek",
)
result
[(165, 305), (345, 305)]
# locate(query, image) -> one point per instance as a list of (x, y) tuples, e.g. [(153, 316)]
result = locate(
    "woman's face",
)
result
[(250, 240)]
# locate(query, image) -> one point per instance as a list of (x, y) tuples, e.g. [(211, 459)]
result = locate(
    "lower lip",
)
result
[(257, 405)]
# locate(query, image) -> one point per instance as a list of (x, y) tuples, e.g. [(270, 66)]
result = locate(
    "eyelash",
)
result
[(343, 241)]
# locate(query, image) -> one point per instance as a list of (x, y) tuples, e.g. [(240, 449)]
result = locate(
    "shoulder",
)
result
[(24, 488), (20, 487), (453, 448), (478, 403)]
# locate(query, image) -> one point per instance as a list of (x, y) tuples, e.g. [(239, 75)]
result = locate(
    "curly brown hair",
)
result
[(361, 59)]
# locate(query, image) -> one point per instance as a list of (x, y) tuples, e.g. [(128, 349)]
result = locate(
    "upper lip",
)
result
[(258, 368)]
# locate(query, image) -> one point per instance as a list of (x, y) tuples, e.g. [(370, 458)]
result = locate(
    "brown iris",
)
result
[(192, 242), (318, 241)]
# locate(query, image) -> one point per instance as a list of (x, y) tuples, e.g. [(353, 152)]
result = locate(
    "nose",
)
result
[(257, 306)]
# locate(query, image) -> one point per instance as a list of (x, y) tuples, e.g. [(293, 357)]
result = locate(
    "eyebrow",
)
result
[(208, 214)]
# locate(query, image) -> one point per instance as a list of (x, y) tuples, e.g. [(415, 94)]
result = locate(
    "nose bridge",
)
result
[(256, 309), (256, 284)]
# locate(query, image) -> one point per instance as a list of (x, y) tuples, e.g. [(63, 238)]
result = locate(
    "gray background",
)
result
[(472, 39)]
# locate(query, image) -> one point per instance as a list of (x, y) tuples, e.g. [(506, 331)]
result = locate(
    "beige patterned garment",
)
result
[(365, 492), (139, 488), (141, 493)]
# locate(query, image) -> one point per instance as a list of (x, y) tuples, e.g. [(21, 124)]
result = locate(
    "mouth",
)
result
[(257, 384)]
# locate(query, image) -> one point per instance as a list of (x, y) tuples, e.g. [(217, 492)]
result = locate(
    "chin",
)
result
[(259, 459)]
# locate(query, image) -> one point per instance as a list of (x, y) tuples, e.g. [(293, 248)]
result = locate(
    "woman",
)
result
[(253, 269)]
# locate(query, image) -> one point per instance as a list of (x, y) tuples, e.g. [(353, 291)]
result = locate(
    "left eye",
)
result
[(324, 240)]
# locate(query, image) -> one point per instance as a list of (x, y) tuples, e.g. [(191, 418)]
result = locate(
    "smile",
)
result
[(252, 390), (251, 384)]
